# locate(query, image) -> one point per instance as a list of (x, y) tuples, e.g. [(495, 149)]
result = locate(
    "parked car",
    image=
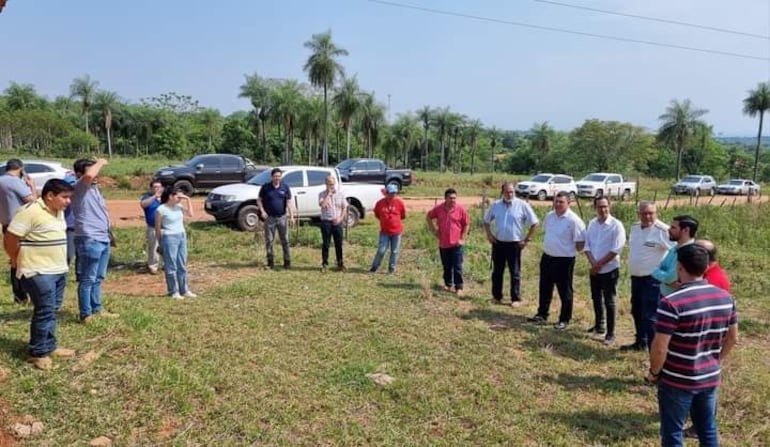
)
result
[(545, 186), (237, 204), (41, 171), (208, 171), (695, 185), (605, 184), (739, 186), (372, 170)]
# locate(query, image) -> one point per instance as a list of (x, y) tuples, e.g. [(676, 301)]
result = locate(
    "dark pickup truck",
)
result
[(372, 170), (208, 171)]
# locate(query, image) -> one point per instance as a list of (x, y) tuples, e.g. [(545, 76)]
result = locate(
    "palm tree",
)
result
[(310, 121), (257, 90), (347, 101), (372, 114), (425, 115), (212, 122), (494, 137), (84, 88), (106, 102), (679, 122), (443, 120), (21, 97), (288, 101), (758, 102), (323, 69), (474, 129)]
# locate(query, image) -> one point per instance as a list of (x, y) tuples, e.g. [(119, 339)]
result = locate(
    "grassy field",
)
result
[(282, 357)]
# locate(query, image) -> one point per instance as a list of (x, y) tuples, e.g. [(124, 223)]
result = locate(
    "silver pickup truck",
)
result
[(606, 184)]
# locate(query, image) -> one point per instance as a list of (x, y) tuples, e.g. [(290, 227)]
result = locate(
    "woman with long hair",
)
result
[(172, 238)]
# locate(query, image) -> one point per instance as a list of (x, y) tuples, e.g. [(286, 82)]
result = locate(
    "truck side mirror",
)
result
[(199, 166)]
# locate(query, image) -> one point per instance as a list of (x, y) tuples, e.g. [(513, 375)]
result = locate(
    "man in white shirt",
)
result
[(648, 243), (605, 238), (564, 238), (511, 216)]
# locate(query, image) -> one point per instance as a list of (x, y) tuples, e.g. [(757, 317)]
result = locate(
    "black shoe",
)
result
[(634, 347), (287, 265), (270, 264), (537, 319), (595, 330), (341, 268), (690, 432), (372, 270)]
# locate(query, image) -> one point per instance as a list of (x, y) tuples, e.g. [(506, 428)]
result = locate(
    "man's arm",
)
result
[(530, 235), (666, 271), (32, 196), (431, 226), (290, 205), (93, 171), (147, 201), (12, 247), (730, 341), (158, 225), (658, 351)]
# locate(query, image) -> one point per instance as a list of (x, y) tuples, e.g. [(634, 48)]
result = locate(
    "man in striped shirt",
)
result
[(697, 328), (38, 251)]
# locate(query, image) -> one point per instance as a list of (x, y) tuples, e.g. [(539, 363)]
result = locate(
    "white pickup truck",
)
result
[(545, 186), (605, 184), (236, 204)]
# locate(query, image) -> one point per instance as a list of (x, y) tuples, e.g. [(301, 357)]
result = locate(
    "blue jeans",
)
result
[(452, 261), (92, 259), (175, 262), (46, 293), (675, 404), (645, 295), (394, 240)]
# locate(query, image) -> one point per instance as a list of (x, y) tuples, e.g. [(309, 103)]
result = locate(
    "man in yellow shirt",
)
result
[(38, 252)]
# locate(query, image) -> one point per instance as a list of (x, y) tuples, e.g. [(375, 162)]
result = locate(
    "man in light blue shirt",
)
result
[(682, 230), (512, 216), (92, 238)]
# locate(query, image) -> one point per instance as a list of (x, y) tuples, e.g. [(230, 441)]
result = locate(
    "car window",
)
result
[(359, 165), (563, 180), (231, 162), (375, 165), (710, 179), (36, 168), (208, 161), (541, 178), (316, 178), (614, 179), (691, 179), (261, 178), (293, 179)]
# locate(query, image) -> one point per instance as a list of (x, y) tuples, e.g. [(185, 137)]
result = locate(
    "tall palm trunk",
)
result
[(759, 142), (348, 126), (326, 130), (425, 151), (679, 150), (109, 141)]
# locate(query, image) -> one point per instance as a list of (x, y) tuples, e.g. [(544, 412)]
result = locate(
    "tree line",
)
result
[(331, 118)]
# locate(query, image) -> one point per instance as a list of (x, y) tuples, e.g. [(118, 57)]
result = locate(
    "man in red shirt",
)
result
[(390, 211), (715, 274), (451, 228)]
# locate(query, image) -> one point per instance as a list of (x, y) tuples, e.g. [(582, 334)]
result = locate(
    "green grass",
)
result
[(282, 357)]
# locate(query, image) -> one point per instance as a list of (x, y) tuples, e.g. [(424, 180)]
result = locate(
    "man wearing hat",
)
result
[(390, 211)]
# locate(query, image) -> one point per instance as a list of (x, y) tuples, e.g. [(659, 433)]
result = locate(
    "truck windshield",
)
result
[(594, 178), (690, 179), (345, 164), (261, 178)]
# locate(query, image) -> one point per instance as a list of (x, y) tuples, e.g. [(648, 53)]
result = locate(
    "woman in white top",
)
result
[(170, 232)]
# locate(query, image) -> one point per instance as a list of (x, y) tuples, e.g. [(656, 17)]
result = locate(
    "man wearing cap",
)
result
[(390, 211), (274, 204), (334, 213), (511, 216), (15, 190)]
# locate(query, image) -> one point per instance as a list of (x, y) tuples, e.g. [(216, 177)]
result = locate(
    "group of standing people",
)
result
[(37, 238)]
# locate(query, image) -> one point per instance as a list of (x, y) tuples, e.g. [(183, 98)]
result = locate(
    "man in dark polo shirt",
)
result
[(274, 204), (696, 329)]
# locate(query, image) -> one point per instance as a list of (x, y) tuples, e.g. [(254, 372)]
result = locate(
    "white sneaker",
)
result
[(189, 294), (177, 296)]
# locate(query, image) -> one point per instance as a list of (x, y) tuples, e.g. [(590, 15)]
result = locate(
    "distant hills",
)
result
[(743, 141)]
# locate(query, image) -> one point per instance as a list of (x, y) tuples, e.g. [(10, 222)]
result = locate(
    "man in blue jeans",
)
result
[(38, 251), (697, 327), (92, 239)]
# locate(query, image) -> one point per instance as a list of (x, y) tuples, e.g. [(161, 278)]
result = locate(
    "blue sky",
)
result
[(507, 76)]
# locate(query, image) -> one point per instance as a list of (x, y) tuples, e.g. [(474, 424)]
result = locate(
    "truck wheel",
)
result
[(394, 182), (185, 186), (572, 196), (626, 195), (248, 218), (354, 216), (542, 195), (712, 191)]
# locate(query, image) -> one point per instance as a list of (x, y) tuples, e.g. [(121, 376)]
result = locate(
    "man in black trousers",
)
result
[(564, 238)]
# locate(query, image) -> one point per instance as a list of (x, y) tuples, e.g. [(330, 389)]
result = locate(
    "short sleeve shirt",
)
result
[(13, 190), (43, 237), (511, 219), (451, 224), (90, 211), (172, 221), (391, 214), (603, 238), (338, 203), (274, 199), (149, 212), (562, 233)]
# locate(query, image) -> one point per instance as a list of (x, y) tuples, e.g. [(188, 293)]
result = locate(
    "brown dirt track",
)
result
[(127, 213)]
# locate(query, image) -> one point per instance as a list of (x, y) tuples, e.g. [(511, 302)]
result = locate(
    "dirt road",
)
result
[(127, 213)]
